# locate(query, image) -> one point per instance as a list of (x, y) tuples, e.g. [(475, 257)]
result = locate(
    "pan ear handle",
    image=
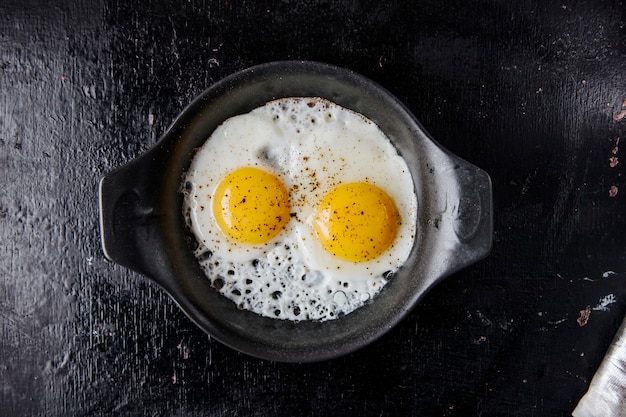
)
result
[(123, 214), (474, 220), (129, 222)]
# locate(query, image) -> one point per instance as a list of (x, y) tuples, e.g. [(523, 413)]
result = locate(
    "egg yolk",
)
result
[(251, 205), (356, 221)]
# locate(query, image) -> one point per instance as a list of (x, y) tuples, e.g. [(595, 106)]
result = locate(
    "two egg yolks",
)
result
[(355, 221)]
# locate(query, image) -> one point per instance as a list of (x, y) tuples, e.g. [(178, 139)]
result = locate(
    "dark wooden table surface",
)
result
[(532, 91)]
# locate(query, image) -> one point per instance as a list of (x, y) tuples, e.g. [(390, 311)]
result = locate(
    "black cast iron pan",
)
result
[(143, 227)]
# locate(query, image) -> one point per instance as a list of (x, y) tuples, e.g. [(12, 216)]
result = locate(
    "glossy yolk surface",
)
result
[(356, 221), (251, 205)]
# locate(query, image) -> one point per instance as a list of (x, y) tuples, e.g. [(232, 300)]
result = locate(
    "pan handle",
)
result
[(127, 217), (474, 221)]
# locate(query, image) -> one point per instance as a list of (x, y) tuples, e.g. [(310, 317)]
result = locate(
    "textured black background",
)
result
[(527, 90)]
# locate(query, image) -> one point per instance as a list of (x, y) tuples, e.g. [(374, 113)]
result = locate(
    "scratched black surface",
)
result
[(527, 90)]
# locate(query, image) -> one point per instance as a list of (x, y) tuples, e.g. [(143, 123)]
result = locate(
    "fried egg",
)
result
[(302, 209)]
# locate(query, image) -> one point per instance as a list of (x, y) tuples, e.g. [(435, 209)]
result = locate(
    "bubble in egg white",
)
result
[(312, 145)]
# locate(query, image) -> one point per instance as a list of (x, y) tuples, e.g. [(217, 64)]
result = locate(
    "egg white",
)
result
[(312, 145)]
